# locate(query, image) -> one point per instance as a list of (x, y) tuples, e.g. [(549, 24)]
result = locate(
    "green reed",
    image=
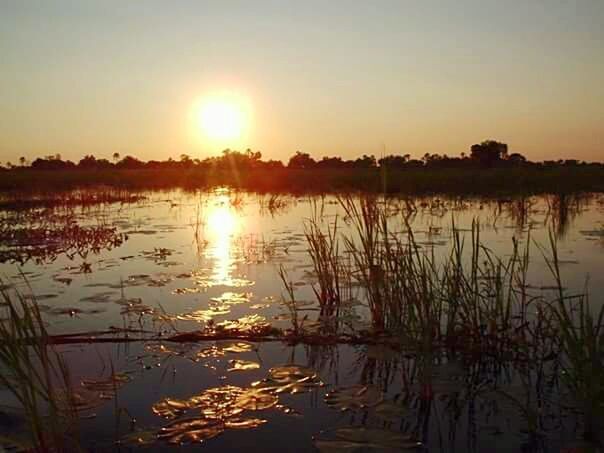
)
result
[(324, 250), (35, 374), (467, 301), (582, 339), (290, 302), (468, 298)]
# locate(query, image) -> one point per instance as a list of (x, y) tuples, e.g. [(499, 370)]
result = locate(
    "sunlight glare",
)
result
[(223, 223), (222, 117)]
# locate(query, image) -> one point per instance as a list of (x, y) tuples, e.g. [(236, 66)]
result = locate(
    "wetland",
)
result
[(223, 320)]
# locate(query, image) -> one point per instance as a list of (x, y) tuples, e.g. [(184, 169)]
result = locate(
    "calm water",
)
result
[(188, 259)]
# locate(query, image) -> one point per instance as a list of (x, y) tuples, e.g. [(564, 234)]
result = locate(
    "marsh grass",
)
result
[(468, 299), (75, 196), (323, 248), (290, 303), (582, 341), (36, 375), (468, 303)]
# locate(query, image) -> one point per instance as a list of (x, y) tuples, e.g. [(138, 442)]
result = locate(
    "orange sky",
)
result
[(337, 78)]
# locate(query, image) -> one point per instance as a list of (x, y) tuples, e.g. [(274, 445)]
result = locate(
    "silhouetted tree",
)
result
[(516, 159), (301, 160), (394, 161), (88, 161), (130, 163), (365, 162), (52, 164), (273, 164), (330, 162), (489, 153), (486, 154)]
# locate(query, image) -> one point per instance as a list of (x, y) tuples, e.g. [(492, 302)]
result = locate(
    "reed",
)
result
[(468, 299), (582, 339), (323, 248), (36, 375), (290, 303)]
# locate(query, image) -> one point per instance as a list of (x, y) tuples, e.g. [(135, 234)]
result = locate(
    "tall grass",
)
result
[(467, 301), (323, 248), (582, 338), (36, 375), (468, 295)]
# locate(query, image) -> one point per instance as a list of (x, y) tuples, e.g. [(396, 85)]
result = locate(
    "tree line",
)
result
[(487, 154)]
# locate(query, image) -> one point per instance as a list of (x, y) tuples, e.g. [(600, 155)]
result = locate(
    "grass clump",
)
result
[(36, 375)]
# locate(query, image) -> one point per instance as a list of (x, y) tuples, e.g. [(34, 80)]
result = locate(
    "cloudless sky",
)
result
[(326, 77)]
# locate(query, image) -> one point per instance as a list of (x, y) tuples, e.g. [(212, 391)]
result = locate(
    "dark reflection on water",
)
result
[(372, 396)]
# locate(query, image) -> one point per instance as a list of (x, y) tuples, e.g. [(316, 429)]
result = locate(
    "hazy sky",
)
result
[(328, 77)]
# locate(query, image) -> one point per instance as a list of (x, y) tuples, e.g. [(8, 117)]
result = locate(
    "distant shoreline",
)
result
[(524, 180)]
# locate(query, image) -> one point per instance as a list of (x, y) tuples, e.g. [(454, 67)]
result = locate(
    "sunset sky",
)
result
[(149, 78)]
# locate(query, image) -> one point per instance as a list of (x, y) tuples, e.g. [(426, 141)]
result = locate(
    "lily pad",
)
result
[(355, 397)]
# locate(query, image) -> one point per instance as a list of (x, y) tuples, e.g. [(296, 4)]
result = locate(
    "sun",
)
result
[(222, 117)]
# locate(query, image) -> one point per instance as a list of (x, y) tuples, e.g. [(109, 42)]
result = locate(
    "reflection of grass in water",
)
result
[(411, 292), (35, 374), (582, 339), (467, 302)]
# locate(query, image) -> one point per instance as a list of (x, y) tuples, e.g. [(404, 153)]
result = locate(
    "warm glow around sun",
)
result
[(222, 118)]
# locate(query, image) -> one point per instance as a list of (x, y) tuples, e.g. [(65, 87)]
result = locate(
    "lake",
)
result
[(173, 262)]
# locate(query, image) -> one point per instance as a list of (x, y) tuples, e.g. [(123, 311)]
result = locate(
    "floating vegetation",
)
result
[(205, 315), (71, 311), (221, 408), (289, 379), (224, 408), (98, 195), (108, 385), (44, 244), (191, 430), (39, 297), (355, 397), (246, 325), (185, 290), (61, 279), (597, 234), (102, 297), (139, 438), (220, 348), (350, 439), (242, 365), (233, 298), (236, 347), (196, 352)]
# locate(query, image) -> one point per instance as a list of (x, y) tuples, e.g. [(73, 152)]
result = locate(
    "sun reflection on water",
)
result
[(223, 225)]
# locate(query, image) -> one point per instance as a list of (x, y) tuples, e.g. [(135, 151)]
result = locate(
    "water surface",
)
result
[(178, 261)]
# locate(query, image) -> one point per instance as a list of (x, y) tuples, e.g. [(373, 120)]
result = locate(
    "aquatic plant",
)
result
[(36, 375), (582, 341)]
